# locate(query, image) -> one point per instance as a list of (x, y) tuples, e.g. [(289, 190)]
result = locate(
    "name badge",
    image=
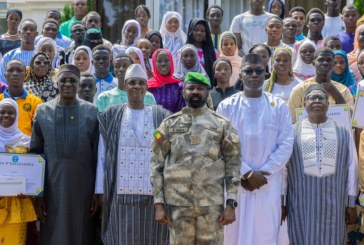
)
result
[(178, 130), (195, 139)]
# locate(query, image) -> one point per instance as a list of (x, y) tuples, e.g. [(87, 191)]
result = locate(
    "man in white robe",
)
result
[(266, 133)]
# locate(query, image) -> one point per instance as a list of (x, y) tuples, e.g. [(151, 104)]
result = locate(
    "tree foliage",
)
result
[(360, 5)]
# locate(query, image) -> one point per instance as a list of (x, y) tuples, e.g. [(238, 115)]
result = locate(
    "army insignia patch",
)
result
[(27, 107), (158, 136)]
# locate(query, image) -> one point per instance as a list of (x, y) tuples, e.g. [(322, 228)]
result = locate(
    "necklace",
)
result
[(9, 35)]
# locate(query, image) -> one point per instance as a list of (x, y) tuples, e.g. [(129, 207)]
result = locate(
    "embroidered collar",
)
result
[(107, 79), (7, 95)]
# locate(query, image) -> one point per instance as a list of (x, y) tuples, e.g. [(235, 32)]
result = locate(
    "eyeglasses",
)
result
[(314, 97), (250, 72), (134, 83), (45, 63), (68, 80)]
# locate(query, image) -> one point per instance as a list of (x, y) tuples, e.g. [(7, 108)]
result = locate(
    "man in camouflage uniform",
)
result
[(195, 153)]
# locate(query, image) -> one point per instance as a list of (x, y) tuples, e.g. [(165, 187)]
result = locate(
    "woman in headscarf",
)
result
[(229, 50), (155, 38), (282, 80), (146, 47), (341, 73), (167, 90), (171, 31), (39, 81), (303, 67), (130, 34), (49, 46), (137, 56), (358, 46), (199, 35), (15, 211), (82, 58), (11, 38), (276, 7), (188, 60)]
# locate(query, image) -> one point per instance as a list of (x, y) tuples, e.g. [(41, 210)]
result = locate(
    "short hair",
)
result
[(49, 20), (16, 60), (120, 56), (331, 38), (28, 20), (349, 6), (313, 11), (101, 47), (87, 74), (142, 7), (274, 17), (78, 23), (297, 9), (54, 11), (322, 50), (214, 6), (266, 47), (289, 18), (91, 13)]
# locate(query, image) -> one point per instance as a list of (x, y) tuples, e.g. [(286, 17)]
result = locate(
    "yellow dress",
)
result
[(15, 213)]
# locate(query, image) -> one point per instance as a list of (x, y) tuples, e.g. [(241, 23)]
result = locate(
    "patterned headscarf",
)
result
[(43, 87)]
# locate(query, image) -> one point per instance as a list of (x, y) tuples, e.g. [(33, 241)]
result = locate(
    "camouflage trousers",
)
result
[(196, 225)]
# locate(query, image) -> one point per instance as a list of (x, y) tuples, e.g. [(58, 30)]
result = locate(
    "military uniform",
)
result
[(195, 152)]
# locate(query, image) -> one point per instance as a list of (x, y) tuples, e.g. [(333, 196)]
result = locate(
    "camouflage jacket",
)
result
[(195, 152)]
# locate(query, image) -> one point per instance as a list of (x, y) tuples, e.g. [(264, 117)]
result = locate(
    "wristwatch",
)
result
[(232, 203)]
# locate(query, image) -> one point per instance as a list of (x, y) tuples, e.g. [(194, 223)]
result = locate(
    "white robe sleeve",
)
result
[(352, 185), (101, 152), (280, 156)]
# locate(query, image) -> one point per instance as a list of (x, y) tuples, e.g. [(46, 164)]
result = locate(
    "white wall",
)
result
[(36, 9)]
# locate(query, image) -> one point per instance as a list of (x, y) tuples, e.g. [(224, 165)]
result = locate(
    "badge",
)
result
[(178, 130), (158, 136), (361, 199), (27, 107), (234, 138), (195, 139)]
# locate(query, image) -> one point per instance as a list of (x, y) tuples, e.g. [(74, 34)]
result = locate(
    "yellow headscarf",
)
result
[(273, 76)]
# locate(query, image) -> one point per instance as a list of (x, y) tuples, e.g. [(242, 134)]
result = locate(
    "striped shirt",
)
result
[(18, 53)]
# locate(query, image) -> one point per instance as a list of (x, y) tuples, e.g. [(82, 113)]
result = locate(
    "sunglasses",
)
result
[(68, 80), (316, 97), (250, 72)]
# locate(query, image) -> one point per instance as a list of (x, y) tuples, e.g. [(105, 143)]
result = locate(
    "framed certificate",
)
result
[(358, 115), (340, 113), (18, 168)]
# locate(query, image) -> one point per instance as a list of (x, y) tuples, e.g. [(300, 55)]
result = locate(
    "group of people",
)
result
[(173, 137)]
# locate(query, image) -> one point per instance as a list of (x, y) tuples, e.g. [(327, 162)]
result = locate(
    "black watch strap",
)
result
[(232, 203)]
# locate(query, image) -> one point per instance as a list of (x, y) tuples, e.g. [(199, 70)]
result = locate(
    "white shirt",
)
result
[(333, 26)]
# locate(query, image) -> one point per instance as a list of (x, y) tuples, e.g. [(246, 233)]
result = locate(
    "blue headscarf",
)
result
[(346, 78), (283, 7)]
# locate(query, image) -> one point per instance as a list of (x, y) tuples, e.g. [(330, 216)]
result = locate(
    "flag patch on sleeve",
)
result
[(158, 136)]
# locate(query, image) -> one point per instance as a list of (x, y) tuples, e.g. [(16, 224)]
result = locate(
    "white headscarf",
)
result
[(140, 55), (181, 70), (12, 136), (301, 67), (90, 68), (172, 41), (43, 40), (127, 24), (121, 48)]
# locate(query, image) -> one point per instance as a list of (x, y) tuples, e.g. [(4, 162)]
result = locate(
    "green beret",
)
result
[(195, 77)]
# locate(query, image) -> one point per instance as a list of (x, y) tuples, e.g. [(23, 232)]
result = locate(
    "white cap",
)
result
[(135, 71)]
